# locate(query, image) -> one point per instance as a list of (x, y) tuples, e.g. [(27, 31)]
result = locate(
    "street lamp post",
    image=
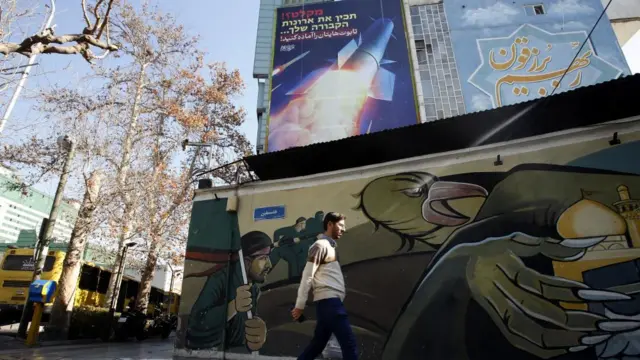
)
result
[(173, 274), (67, 144), (210, 145), (170, 288), (116, 292)]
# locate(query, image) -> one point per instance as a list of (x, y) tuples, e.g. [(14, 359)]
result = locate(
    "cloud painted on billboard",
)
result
[(339, 69)]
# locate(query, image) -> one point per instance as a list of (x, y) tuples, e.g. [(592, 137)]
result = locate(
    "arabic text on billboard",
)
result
[(339, 69)]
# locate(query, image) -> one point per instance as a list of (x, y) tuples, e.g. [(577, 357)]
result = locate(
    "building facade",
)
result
[(469, 248), (625, 18), (25, 211), (474, 56)]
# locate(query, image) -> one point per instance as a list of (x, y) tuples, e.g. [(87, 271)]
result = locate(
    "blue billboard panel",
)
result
[(515, 51), (340, 69)]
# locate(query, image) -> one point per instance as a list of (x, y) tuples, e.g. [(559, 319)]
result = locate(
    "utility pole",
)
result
[(43, 245), (25, 74)]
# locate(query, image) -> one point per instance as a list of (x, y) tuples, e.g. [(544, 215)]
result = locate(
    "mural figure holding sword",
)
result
[(242, 275)]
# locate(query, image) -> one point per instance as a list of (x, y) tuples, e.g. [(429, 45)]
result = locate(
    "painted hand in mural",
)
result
[(255, 333), (624, 344), (524, 303), (244, 300)]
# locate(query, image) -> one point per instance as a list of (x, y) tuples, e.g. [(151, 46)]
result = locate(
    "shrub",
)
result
[(88, 322)]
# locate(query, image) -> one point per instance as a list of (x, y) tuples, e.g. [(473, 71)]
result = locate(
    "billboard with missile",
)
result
[(340, 69)]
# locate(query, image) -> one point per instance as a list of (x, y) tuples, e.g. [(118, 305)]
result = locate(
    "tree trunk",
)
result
[(144, 290), (63, 305), (125, 163)]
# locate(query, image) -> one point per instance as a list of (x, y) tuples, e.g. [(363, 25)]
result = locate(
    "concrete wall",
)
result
[(632, 52), (625, 29), (532, 255)]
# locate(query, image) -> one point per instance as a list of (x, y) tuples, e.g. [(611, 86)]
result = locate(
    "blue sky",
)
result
[(227, 33)]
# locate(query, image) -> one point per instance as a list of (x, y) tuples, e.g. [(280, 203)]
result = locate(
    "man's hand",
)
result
[(244, 300), (296, 313), (255, 332)]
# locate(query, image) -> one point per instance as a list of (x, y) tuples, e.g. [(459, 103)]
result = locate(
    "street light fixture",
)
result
[(116, 292), (186, 143), (65, 142)]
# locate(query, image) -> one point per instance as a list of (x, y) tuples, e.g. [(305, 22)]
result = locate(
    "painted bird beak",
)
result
[(436, 208)]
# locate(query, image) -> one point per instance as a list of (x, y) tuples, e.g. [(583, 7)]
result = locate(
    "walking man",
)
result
[(322, 272)]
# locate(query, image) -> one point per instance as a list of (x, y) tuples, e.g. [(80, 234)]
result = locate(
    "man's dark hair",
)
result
[(332, 217)]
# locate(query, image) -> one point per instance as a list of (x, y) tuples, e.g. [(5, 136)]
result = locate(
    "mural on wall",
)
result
[(536, 262), (531, 63), (226, 306), (515, 51), (492, 281), (292, 243)]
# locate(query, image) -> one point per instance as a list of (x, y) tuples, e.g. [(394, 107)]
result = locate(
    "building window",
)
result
[(421, 51), (533, 10)]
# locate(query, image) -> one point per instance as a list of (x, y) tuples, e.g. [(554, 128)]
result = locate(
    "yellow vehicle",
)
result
[(17, 267)]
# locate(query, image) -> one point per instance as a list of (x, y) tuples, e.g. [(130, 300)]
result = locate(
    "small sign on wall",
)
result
[(269, 213)]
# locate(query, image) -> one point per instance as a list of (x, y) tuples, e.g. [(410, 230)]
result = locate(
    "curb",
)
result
[(67, 342), (214, 354), (18, 344)]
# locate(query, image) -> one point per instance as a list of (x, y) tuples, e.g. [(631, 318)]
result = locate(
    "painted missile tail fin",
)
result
[(345, 53), (383, 85), (306, 84)]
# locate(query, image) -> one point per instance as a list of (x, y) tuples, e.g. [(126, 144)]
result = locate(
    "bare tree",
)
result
[(94, 35), (63, 305), (188, 104), (154, 42)]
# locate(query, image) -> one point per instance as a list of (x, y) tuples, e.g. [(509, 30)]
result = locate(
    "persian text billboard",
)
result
[(339, 69)]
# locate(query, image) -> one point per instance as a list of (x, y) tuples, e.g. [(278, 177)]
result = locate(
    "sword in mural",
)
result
[(245, 281)]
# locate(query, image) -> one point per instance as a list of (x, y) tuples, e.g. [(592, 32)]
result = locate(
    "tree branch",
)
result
[(84, 13), (43, 44), (106, 20)]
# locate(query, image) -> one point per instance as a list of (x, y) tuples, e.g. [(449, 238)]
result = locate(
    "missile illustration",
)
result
[(362, 58), (281, 68)]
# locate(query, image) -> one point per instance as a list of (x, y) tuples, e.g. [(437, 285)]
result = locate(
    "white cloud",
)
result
[(481, 102), (570, 25), (572, 7), (494, 15)]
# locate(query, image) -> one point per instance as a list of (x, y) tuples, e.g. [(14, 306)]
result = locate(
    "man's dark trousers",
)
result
[(331, 318)]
